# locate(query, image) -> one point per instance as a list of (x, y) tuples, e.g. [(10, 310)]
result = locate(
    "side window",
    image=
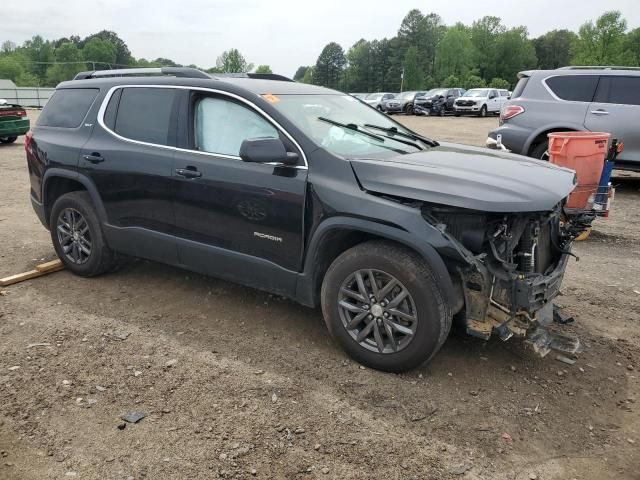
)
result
[(112, 109), (577, 88), (494, 93), (621, 90), (144, 114), (222, 125), (67, 107)]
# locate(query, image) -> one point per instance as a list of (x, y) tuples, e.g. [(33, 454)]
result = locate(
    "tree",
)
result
[(8, 46), (412, 71), (308, 75), (359, 74), (329, 66), (10, 68), (499, 83), (515, 53), (99, 53), (484, 36), (554, 49), (263, 69), (300, 73), (600, 43), (71, 63), (232, 61), (455, 53), (40, 52), (432, 32), (473, 81), (632, 47), (451, 81), (122, 56)]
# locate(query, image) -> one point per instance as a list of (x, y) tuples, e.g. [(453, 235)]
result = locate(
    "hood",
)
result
[(471, 98), (468, 177)]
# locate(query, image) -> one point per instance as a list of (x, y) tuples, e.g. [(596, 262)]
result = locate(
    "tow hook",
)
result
[(496, 144)]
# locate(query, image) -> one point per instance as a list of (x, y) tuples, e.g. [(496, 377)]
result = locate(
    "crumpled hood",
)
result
[(468, 177)]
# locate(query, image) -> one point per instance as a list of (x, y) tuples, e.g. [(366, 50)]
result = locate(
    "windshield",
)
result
[(374, 96), (477, 92), (318, 117), (437, 91)]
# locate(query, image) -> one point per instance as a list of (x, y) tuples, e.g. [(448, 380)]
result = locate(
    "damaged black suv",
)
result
[(308, 193)]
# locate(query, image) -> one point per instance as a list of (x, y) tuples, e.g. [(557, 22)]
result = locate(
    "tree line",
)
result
[(45, 63), (426, 53)]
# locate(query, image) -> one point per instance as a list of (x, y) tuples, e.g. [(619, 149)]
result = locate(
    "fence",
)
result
[(25, 96)]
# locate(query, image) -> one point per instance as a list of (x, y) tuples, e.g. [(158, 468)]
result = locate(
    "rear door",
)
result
[(493, 101), (616, 109)]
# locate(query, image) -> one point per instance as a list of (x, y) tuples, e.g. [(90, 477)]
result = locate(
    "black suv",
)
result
[(308, 193)]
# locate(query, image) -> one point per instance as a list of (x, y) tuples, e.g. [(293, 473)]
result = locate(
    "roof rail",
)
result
[(598, 67), (258, 76), (184, 72)]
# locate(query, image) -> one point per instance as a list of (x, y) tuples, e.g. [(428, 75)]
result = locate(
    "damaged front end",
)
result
[(513, 266)]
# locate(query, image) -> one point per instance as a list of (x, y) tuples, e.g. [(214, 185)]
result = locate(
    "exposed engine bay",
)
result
[(513, 269)]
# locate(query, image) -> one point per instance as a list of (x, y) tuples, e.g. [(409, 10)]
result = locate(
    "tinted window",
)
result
[(112, 110), (622, 90), (144, 114), (522, 83), (222, 125), (67, 107), (577, 88)]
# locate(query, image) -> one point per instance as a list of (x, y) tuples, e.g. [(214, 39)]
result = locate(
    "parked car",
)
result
[(377, 100), (480, 102), (437, 101), (307, 193), (401, 103), (599, 99), (13, 122)]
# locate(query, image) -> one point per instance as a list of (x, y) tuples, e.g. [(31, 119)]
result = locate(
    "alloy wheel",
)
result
[(74, 236), (377, 311)]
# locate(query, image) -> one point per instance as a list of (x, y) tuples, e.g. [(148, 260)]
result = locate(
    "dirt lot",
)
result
[(241, 384)]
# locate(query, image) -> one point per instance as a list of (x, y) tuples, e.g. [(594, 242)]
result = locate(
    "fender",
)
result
[(305, 285), (545, 128), (80, 178)]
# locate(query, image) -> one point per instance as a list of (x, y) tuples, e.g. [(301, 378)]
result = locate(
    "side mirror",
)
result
[(266, 150)]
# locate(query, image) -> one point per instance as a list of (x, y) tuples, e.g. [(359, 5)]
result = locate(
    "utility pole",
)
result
[(402, 80)]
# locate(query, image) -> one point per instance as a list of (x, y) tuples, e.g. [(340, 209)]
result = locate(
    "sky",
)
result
[(281, 33)]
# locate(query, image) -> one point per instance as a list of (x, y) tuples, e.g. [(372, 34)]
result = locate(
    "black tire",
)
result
[(432, 313), (8, 139), (441, 113), (539, 151), (379, 108), (408, 109), (456, 114), (483, 111), (101, 258)]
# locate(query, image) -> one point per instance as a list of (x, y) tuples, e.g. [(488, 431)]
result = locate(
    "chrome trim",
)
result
[(109, 94)]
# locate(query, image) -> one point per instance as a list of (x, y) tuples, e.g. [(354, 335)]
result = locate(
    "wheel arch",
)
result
[(57, 182), (338, 234), (536, 137)]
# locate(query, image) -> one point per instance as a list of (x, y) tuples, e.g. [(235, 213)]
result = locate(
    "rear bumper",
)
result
[(513, 137), (14, 128), (39, 209)]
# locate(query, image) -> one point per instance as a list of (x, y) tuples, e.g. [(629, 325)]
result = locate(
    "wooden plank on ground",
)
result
[(40, 270)]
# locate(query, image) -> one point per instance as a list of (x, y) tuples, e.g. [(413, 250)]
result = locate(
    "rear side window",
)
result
[(522, 83), (67, 107), (621, 90), (144, 114), (576, 88)]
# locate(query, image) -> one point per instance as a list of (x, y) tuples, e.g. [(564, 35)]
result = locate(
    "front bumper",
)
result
[(393, 108), (472, 110)]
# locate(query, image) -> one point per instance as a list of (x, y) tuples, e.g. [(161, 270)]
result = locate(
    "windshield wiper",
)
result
[(351, 126), (412, 136)]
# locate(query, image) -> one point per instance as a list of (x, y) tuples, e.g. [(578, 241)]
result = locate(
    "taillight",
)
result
[(511, 111), (27, 141), (13, 113)]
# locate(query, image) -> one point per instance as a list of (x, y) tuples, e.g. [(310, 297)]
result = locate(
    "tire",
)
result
[(408, 110), (539, 151), (379, 108), (441, 113), (456, 114), (483, 111), (8, 139), (100, 258), (419, 339)]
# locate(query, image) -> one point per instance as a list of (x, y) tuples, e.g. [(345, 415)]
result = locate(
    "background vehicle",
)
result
[(480, 102), (603, 99), (359, 96), (402, 103), (377, 100), (304, 192), (440, 98), (13, 122)]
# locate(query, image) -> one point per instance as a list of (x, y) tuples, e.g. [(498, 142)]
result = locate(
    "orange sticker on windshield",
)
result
[(269, 97)]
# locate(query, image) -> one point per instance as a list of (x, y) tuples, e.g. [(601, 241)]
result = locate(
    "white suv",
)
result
[(481, 101)]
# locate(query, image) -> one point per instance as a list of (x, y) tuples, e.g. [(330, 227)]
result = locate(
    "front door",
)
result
[(233, 216), (616, 109)]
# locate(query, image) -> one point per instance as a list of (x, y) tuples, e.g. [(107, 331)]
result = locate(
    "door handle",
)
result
[(600, 112), (188, 172), (95, 157)]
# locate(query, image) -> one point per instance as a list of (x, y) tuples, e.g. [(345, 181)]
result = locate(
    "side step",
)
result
[(543, 341)]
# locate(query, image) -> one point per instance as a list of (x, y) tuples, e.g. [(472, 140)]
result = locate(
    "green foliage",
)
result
[(429, 82), (122, 53), (499, 83), (100, 53), (300, 73), (329, 66), (632, 47), (10, 68), (263, 69), (454, 55), (451, 81), (412, 71), (473, 81), (601, 43), (71, 55), (232, 61), (554, 49), (308, 75), (515, 53)]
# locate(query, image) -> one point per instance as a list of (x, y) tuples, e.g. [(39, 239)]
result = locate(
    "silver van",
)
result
[(603, 99)]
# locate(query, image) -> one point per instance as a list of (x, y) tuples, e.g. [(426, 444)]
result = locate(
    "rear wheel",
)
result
[(8, 139), (382, 305), (77, 236), (483, 111), (540, 151)]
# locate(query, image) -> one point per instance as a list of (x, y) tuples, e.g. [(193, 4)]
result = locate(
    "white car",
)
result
[(376, 100), (480, 102)]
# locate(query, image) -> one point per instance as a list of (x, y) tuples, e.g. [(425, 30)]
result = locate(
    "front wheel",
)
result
[(409, 109), (381, 303), (483, 111), (8, 139)]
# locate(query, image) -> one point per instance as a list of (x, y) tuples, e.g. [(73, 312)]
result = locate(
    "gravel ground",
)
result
[(237, 383)]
